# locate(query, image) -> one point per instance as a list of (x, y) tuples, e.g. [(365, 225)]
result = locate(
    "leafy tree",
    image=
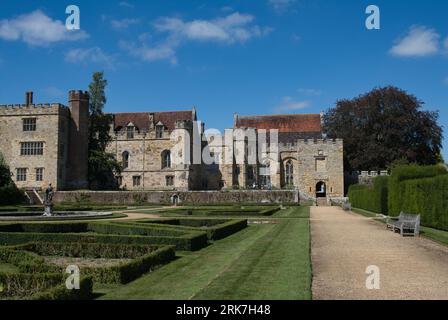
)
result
[(9, 193), (385, 126), (102, 165), (5, 174)]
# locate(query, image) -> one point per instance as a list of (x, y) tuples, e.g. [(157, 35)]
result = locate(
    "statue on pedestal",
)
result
[(48, 202)]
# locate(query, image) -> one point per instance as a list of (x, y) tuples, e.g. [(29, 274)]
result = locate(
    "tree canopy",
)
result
[(383, 126), (102, 165), (5, 174)]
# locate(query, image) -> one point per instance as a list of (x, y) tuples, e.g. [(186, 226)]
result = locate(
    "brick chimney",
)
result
[(29, 98), (78, 140)]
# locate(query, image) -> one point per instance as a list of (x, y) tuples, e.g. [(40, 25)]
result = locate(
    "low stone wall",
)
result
[(181, 197)]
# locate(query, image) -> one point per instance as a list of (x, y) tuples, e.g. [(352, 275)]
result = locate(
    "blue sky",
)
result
[(250, 57)]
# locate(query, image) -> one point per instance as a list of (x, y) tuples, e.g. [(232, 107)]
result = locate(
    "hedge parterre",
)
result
[(105, 232)]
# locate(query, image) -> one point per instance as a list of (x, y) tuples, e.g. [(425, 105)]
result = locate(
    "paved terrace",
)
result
[(344, 244)]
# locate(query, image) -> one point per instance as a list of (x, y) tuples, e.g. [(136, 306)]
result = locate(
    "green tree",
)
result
[(103, 166), (5, 174), (384, 126), (9, 193)]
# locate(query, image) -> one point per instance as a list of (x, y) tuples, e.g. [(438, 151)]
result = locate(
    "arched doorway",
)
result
[(321, 190), (175, 200)]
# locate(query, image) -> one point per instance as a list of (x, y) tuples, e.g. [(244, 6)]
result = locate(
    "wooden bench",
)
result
[(346, 206), (406, 223)]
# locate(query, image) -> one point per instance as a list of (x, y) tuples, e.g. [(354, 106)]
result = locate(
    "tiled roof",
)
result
[(141, 119), (298, 123)]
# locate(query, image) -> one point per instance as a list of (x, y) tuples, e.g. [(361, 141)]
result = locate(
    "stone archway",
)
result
[(321, 190), (175, 200)]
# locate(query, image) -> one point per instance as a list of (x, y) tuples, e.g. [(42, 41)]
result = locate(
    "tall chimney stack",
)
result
[(29, 98)]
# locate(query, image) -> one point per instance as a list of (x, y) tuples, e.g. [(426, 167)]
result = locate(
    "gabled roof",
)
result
[(141, 120), (287, 123)]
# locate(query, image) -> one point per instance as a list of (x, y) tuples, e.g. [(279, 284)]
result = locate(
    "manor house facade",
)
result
[(48, 143)]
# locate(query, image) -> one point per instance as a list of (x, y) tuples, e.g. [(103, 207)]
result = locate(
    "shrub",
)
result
[(371, 198), (112, 232), (427, 197), (60, 292), (42, 286), (216, 228), (402, 173), (10, 194), (145, 259)]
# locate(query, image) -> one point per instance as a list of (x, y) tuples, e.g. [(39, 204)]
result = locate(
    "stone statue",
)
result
[(49, 195), (48, 202)]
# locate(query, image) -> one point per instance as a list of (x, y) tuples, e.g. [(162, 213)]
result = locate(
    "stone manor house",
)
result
[(47, 143)]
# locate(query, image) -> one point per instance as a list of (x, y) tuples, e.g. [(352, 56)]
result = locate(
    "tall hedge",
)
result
[(371, 198), (399, 174), (429, 198)]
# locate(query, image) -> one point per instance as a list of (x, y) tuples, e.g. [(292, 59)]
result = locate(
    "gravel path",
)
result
[(344, 244)]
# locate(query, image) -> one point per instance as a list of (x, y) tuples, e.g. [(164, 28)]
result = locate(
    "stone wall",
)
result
[(50, 120), (145, 160), (185, 197)]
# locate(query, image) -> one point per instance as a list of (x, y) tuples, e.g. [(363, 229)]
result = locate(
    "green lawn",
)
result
[(263, 261), (437, 235)]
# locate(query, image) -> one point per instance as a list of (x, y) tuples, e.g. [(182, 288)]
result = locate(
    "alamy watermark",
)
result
[(373, 277), (72, 281)]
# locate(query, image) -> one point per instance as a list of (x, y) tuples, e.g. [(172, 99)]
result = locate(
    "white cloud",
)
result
[(419, 42), (445, 43), (126, 4), (289, 104), (90, 55), (124, 23), (37, 29), (231, 29), (280, 5), (164, 51), (310, 92)]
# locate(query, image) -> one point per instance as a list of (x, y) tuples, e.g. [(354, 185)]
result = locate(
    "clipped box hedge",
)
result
[(101, 232), (215, 228), (145, 259), (371, 198), (37, 285)]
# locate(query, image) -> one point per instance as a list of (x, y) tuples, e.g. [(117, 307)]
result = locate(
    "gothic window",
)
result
[(289, 173), (130, 132), (166, 159), (159, 132), (265, 175), (125, 159)]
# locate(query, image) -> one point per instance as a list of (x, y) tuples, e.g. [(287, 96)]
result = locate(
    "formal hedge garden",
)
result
[(224, 211), (134, 260), (34, 255), (101, 232), (216, 229)]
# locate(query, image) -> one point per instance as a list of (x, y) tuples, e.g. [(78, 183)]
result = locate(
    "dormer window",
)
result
[(130, 129), (159, 131)]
